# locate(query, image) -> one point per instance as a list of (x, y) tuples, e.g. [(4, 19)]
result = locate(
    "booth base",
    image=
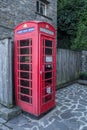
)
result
[(40, 116), (7, 114)]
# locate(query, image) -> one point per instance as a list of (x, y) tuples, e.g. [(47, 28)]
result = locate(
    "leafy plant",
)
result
[(83, 75), (72, 24), (80, 41)]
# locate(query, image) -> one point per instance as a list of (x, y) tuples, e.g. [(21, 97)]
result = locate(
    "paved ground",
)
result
[(70, 113)]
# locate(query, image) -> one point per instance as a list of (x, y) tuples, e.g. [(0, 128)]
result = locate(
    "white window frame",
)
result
[(45, 6)]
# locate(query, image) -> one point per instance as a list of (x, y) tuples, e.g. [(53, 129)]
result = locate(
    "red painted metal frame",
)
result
[(37, 107)]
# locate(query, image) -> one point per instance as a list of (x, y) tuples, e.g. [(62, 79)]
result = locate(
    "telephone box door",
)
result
[(47, 72)]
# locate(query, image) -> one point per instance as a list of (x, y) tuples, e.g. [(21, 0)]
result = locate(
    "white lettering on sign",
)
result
[(49, 59), (25, 30), (46, 31)]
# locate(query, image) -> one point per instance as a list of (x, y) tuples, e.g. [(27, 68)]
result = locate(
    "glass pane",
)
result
[(42, 8), (26, 99), (48, 51), (25, 59), (24, 91), (48, 43), (48, 81), (25, 67), (24, 43), (37, 6), (48, 75), (47, 98), (24, 83), (24, 75), (24, 50), (48, 67), (27, 42)]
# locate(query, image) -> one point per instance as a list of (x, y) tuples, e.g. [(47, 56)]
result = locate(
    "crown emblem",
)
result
[(47, 26), (25, 25)]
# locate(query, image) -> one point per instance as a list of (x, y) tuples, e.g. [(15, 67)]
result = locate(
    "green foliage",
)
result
[(83, 74), (80, 42), (72, 24)]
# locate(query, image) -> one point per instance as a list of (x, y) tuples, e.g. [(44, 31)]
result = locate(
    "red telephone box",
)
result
[(35, 66)]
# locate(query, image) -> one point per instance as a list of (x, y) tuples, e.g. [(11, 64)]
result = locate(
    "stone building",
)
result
[(13, 12)]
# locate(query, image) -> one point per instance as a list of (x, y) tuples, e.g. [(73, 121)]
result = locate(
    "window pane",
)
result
[(48, 75), (27, 42), (37, 4), (24, 90), (25, 59), (24, 51), (27, 67), (48, 67), (24, 83), (48, 81), (48, 43), (42, 9), (48, 51), (24, 43), (24, 75), (26, 99)]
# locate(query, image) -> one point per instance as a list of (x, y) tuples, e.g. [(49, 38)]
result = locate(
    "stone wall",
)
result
[(13, 12)]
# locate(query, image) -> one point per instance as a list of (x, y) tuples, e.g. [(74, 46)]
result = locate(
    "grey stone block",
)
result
[(19, 122), (8, 114)]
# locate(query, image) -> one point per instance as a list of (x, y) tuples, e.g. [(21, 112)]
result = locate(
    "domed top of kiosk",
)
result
[(27, 23)]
